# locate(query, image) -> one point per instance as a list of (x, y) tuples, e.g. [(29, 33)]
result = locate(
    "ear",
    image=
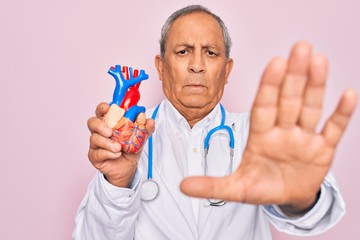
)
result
[(159, 66), (228, 68)]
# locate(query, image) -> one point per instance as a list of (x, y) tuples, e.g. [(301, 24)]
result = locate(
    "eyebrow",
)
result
[(187, 45)]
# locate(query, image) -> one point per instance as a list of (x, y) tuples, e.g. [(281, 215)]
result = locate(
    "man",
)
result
[(282, 163)]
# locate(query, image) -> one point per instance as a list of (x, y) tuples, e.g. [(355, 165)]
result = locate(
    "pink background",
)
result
[(54, 56)]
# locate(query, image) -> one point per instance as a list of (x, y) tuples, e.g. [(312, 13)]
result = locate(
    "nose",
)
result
[(196, 63)]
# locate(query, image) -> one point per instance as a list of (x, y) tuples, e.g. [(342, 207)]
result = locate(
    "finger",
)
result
[(98, 141), (102, 109), (99, 126), (213, 188), (150, 126), (264, 110), (291, 94), (98, 156), (336, 124), (140, 119), (314, 93)]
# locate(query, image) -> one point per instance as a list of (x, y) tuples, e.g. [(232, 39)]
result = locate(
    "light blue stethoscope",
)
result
[(150, 188)]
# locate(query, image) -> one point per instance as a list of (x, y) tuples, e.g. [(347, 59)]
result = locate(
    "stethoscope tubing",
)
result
[(222, 126), (152, 190), (150, 146)]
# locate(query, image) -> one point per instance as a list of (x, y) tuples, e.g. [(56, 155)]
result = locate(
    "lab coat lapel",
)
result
[(204, 213), (170, 174), (218, 163), (170, 179)]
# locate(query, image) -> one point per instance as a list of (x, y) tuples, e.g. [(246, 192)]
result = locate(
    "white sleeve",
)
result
[(107, 211), (329, 209)]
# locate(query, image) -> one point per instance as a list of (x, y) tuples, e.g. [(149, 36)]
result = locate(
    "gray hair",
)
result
[(185, 11)]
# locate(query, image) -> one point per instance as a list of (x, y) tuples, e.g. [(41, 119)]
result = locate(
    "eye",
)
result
[(211, 53), (182, 52)]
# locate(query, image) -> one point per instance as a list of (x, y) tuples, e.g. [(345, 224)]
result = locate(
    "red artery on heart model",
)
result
[(124, 116)]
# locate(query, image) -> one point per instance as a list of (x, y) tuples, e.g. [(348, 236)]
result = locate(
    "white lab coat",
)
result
[(108, 212)]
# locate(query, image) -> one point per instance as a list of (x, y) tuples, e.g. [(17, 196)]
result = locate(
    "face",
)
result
[(195, 69)]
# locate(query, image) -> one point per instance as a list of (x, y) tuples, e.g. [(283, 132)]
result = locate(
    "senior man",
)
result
[(281, 164)]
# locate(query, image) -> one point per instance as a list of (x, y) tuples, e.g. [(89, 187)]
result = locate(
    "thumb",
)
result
[(224, 188), (101, 109)]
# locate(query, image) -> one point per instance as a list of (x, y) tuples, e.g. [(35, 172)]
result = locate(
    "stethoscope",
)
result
[(150, 188)]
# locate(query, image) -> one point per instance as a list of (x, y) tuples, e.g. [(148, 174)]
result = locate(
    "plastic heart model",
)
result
[(126, 118), (131, 136)]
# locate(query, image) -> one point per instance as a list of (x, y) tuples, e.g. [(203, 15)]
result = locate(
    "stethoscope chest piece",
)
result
[(149, 190)]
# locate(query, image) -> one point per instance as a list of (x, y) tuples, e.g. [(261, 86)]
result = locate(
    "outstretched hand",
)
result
[(285, 160)]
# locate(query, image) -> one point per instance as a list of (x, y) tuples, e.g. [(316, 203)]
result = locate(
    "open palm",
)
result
[(285, 160)]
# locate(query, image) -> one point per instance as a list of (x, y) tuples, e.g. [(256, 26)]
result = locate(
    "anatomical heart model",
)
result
[(125, 117)]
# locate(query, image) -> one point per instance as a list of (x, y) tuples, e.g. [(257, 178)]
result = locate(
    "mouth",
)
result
[(195, 88), (195, 85)]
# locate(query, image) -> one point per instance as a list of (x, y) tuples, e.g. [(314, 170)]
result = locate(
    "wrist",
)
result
[(124, 182), (300, 209)]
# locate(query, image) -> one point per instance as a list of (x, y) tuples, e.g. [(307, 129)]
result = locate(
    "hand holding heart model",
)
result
[(125, 117)]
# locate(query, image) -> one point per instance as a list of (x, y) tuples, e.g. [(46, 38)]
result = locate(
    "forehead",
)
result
[(196, 25)]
